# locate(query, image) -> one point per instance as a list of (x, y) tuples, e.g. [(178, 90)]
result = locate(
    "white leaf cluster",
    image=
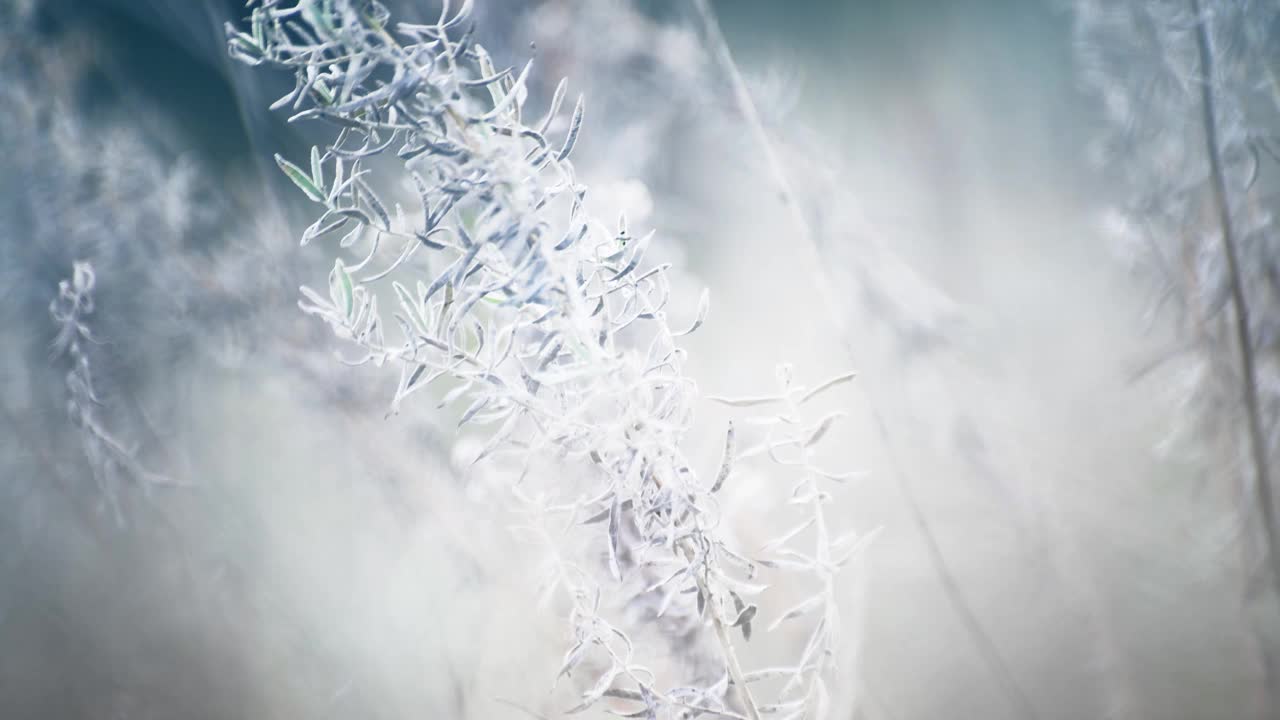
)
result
[(549, 330)]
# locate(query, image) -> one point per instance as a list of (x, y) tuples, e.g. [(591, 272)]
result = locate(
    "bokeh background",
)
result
[(1055, 543)]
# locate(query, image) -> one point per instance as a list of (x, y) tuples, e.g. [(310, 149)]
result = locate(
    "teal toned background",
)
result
[(947, 154)]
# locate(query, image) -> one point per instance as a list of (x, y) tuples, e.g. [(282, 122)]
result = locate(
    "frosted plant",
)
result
[(1157, 87), (88, 185), (550, 329), (110, 460), (1192, 98)]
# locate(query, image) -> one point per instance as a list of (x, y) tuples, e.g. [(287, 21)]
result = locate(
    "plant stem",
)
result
[(1249, 380), (731, 660), (810, 248), (726, 642), (1249, 384)]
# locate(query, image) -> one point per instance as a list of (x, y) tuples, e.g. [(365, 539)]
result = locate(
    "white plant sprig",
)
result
[(544, 325), (108, 456), (790, 441), (1191, 93)]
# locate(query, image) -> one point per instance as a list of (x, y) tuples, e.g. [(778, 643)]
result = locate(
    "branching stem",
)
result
[(808, 245), (726, 643)]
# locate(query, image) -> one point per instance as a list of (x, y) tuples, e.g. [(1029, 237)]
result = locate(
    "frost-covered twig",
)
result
[(543, 324)]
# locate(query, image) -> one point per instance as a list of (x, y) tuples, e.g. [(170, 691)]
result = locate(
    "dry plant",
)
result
[(1192, 100), (549, 328), (807, 241)]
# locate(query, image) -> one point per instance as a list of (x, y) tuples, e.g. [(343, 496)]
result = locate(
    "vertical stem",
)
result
[(1249, 383), (808, 246), (735, 668), (726, 642)]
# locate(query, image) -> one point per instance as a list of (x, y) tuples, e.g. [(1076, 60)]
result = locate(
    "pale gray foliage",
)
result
[(1140, 59), (549, 328), (1192, 97)]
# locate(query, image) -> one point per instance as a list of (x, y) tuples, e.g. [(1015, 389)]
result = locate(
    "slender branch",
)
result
[(730, 656), (726, 642), (1249, 380), (809, 247)]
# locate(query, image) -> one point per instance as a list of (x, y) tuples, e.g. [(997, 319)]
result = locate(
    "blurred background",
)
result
[(1052, 431)]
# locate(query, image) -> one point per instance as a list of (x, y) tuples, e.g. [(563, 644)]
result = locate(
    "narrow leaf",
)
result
[(726, 462), (300, 179), (837, 380), (575, 126)]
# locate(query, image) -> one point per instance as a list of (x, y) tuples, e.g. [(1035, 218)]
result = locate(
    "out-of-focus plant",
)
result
[(110, 459), (1191, 93), (108, 214), (552, 330), (81, 194), (886, 281)]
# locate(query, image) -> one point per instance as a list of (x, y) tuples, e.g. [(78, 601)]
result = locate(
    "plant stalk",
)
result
[(809, 247), (726, 642), (1263, 495), (1248, 371), (731, 660)]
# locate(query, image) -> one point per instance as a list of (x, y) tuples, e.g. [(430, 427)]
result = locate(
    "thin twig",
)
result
[(810, 248)]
